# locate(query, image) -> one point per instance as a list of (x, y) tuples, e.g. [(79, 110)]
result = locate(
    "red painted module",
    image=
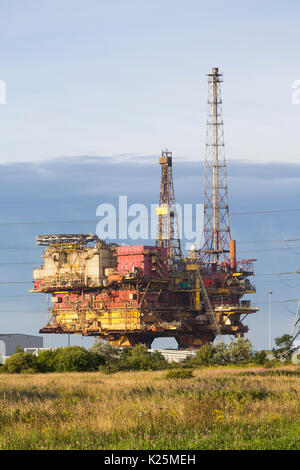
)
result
[(112, 299), (150, 260)]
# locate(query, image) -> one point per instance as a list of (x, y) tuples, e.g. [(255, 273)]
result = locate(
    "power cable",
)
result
[(88, 221)]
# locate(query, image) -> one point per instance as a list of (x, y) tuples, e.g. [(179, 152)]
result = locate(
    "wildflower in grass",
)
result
[(219, 416)]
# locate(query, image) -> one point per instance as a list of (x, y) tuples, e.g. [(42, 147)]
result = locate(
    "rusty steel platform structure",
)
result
[(133, 294)]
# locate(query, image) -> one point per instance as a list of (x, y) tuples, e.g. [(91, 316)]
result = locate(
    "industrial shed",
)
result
[(10, 342)]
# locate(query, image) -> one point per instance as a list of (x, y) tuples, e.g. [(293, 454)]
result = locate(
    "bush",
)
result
[(71, 359), (221, 354), (260, 357), (139, 358), (110, 353), (77, 359), (237, 352), (269, 363), (47, 360), (204, 355), (21, 362), (3, 369), (132, 358), (240, 350), (179, 374), (284, 349), (109, 368)]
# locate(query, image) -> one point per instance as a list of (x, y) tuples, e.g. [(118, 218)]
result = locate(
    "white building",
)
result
[(174, 355), (10, 342)]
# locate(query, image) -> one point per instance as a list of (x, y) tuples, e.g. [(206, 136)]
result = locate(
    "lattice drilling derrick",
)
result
[(224, 278), (168, 231), (216, 230)]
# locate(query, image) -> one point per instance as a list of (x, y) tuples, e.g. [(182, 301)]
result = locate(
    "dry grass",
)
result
[(217, 408)]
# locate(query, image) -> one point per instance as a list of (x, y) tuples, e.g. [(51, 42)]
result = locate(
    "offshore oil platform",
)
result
[(133, 294)]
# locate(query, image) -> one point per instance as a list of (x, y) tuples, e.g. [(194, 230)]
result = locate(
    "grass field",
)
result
[(216, 409)]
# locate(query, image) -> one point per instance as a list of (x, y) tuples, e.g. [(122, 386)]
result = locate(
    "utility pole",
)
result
[(270, 320), (216, 229)]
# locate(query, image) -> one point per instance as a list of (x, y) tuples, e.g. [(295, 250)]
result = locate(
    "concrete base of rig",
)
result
[(184, 341), (194, 342)]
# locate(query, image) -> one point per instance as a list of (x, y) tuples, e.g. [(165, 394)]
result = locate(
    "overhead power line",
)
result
[(270, 241), (274, 301), (19, 247), (50, 222), (280, 280), (20, 263), (240, 251), (23, 311), (259, 274), (271, 249), (89, 221), (271, 211), (20, 298), (278, 274), (15, 282)]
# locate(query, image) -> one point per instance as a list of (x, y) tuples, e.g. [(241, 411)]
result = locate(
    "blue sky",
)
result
[(96, 89), (106, 78)]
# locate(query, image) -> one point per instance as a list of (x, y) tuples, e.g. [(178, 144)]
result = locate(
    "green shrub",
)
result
[(179, 374), (47, 360), (106, 350), (260, 357), (21, 362), (204, 355), (240, 350), (221, 354), (285, 348), (139, 358), (77, 359), (269, 363), (109, 368), (70, 359), (133, 358)]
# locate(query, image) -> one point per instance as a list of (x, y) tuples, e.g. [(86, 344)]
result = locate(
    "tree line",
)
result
[(108, 359)]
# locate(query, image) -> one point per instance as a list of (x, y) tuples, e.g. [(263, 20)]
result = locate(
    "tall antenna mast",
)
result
[(216, 229), (167, 233)]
